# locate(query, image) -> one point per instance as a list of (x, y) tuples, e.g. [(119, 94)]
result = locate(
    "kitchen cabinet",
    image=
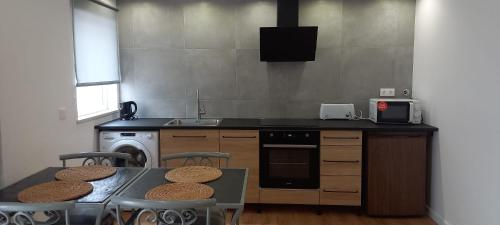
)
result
[(396, 168), (177, 141), (243, 145), (289, 196), (341, 166)]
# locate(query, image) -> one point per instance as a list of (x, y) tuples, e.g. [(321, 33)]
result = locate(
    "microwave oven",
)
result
[(395, 111)]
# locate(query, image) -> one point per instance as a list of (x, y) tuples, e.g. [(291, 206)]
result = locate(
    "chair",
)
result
[(24, 213), (198, 158), (200, 212), (97, 158)]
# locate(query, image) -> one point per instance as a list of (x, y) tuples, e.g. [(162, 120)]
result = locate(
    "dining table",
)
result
[(98, 199), (135, 182), (229, 189)]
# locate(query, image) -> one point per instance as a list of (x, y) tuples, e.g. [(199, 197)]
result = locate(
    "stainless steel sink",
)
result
[(193, 123)]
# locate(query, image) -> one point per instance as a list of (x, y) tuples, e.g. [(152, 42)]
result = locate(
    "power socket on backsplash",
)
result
[(387, 92)]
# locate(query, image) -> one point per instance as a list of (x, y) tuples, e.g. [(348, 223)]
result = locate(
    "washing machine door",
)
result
[(140, 154)]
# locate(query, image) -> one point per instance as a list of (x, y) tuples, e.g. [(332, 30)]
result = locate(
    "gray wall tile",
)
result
[(160, 72), (158, 23), (327, 15), (365, 70), (403, 70), (212, 72), (302, 109), (319, 79), (261, 109), (125, 22), (368, 23), (171, 47), (127, 87), (213, 108), (251, 15), (406, 22), (251, 76), (161, 108), (209, 24)]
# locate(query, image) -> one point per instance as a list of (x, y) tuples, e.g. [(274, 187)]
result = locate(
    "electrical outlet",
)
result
[(387, 92)]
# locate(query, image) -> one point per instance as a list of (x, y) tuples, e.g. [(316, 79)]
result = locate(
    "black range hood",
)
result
[(288, 42)]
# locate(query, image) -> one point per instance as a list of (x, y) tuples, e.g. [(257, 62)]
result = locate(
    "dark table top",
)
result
[(236, 123), (229, 188), (103, 189)]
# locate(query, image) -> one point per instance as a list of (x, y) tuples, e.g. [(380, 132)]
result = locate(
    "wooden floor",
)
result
[(304, 215), (307, 215)]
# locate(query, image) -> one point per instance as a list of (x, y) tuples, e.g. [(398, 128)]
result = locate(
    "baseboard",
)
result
[(438, 218)]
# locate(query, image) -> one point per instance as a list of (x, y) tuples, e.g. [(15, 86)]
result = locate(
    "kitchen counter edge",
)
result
[(149, 124)]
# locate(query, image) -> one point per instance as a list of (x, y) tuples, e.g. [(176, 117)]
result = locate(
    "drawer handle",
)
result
[(342, 138), (192, 136), (249, 137), (337, 191), (341, 161)]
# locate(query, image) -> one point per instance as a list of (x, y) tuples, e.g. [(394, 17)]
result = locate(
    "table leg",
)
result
[(235, 220), (99, 216)]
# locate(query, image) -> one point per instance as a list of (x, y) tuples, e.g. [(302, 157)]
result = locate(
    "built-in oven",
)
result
[(289, 159)]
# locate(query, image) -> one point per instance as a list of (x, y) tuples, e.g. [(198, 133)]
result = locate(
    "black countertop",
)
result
[(241, 124)]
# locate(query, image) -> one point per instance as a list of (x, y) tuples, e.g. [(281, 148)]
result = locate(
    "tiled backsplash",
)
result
[(171, 47)]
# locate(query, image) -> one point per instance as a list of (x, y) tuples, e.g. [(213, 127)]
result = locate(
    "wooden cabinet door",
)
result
[(396, 174), (177, 141), (340, 190), (341, 137), (243, 145)]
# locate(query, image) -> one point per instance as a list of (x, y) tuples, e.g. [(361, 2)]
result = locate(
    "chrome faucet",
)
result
[(200, 110)]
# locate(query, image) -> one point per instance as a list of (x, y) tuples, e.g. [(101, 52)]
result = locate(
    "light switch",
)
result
[(387, 92), (62, 113)]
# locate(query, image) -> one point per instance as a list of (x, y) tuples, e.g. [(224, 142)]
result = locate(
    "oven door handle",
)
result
[(289, 146)]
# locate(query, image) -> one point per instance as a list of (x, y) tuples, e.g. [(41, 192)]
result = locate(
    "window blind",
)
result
[(96, 43)]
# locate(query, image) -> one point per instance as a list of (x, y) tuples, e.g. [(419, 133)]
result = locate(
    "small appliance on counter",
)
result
[(395, 111), (337, 111), (126, 112)]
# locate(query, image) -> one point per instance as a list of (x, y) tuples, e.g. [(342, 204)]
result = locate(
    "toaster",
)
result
[(336, 111)]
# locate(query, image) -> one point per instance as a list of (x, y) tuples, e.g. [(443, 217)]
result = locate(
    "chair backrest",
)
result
[(198, 158), (97, 158), (22, 213), (163, 212)]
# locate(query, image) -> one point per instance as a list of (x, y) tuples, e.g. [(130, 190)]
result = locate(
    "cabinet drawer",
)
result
[(243, 145), (352, 168), (335, 137), (340, 190), (177, 141), (239, 136), (340, 154), (289, 196)]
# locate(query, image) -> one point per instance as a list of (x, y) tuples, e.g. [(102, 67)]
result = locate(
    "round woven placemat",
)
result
[(55, 191), (180, 191), (85, 173), (193, 174)]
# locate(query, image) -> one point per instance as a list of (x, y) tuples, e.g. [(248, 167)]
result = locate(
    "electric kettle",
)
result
[(126, 112)]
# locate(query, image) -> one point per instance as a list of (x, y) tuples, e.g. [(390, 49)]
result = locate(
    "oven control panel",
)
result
[(309, 137)]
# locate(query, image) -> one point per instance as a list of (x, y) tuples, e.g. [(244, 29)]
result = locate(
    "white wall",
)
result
[(37, 78), (457, 75)]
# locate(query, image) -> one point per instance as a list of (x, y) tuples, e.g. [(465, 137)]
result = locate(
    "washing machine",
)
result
[(142, 145)]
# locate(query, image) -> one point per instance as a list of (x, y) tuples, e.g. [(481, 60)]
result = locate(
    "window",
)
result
[(96, 100), (96, 57)]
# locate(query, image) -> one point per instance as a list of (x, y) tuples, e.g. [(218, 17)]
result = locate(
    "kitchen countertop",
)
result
[(230, 123)]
